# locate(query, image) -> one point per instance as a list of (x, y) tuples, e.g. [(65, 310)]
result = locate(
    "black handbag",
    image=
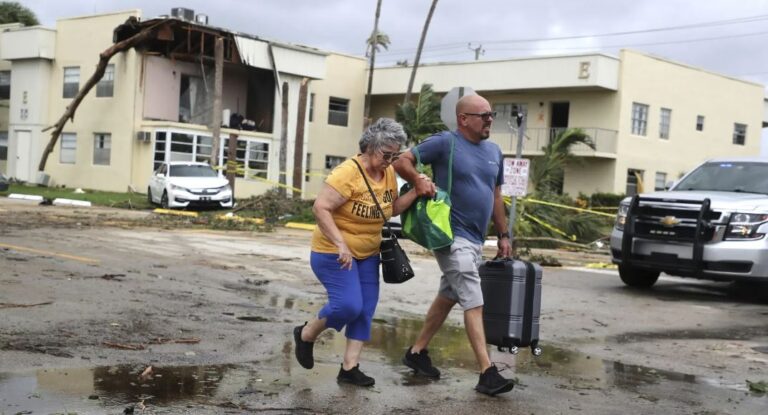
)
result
[(395, 265)]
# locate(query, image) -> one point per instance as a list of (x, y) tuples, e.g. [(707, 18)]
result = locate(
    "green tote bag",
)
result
[(428, 220)]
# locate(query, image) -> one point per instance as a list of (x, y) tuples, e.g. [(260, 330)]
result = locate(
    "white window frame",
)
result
[(5, 84), (248, 157), (660, 181), (332, 161), (639, 118), (338, 116), (71, 82), (632, 182), (3, 145), (68, 148), (665, 121), (699, 123), (102, 149), (106, 86), (739, 134), (200, 146)]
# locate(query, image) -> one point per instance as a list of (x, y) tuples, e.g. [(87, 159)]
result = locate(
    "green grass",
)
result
[(96, 197)]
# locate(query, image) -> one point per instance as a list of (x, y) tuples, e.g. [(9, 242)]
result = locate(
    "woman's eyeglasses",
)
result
[(391, 156), (486, 116)]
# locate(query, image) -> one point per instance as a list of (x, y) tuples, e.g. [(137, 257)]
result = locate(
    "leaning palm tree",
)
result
[(376, 40), (547, 171), (418, 52), (420, 119)]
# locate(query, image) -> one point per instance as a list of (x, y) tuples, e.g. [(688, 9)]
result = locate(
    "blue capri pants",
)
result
[(352, 294)]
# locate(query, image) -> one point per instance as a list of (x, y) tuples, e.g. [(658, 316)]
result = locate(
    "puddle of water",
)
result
[(116, 387)]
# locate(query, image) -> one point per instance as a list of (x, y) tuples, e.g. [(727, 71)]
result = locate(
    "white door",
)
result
[(23, 155)]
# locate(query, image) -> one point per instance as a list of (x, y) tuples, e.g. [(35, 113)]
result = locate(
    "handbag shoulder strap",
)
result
[(420, 168), (373, 195)]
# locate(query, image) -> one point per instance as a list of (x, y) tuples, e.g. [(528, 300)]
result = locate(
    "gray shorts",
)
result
[(461, 280)]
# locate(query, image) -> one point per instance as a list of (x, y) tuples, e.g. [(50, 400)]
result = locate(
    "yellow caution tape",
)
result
[(541, 202), (550, 227), (175, 212), (297, 225)]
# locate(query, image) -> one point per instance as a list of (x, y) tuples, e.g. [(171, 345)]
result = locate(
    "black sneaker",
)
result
[(303, 349), (355, 377), (421, 363), (492, 383)]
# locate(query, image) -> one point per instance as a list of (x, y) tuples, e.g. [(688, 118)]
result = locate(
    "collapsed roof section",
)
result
[(193, 42)]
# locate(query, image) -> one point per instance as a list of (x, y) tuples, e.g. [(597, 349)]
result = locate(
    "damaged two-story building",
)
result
[(155, 103)]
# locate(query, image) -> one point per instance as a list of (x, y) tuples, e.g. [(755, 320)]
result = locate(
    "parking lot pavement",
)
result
[(89, 301)]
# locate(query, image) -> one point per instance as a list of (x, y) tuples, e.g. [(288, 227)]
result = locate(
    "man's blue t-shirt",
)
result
[(477, 170)]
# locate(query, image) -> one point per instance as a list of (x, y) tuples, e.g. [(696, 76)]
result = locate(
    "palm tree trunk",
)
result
[(367, 111), (418, 52)]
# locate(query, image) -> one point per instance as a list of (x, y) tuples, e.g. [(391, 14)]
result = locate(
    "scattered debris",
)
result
[(124, 346), (146, 374), (188, 340), (760, 387), (12, 305), (600, 323)]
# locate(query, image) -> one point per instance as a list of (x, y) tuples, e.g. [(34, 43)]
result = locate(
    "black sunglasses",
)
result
[(484, 115)]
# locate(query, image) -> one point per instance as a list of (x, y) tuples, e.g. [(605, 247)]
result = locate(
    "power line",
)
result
[(715, 23)]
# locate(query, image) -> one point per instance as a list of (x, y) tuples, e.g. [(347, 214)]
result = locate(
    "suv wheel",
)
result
[(638, 277)]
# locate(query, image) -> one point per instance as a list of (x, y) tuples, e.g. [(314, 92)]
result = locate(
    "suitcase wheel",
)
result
[(536, 351), (513, 350)]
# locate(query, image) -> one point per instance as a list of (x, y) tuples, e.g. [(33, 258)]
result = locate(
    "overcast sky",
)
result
[(725, 36)]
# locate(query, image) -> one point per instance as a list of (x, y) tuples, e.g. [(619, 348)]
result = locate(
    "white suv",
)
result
[(711, 224)]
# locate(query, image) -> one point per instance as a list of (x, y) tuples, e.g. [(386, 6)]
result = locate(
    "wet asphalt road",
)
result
[(685, 347)]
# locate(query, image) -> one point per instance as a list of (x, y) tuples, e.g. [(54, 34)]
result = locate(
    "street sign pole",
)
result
[(518, 115)]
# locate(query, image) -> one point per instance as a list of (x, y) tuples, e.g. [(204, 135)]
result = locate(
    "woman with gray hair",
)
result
[(345, 245)]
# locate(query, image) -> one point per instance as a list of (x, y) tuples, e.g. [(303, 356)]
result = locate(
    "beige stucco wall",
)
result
[(345, 78), (79, 43), (688, 92)]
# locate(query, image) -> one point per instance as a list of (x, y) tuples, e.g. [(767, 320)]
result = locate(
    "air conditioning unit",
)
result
[(144, 136), (182, 13), (201, 18)]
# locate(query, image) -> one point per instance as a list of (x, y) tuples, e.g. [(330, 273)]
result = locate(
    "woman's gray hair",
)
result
[(384, 132)]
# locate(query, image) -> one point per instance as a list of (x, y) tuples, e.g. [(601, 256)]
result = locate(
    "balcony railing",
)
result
[(538, 138)]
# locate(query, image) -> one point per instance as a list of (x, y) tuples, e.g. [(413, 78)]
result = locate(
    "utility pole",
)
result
[(518, 119), (478, 50)]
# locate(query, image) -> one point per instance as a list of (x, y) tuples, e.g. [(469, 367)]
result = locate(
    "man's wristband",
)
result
[(504, 235)]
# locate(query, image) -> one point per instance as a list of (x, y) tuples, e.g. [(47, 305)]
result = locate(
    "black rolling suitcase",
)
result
[(512, 297)]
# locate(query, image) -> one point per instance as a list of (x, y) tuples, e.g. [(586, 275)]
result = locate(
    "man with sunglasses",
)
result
[(475, 199)]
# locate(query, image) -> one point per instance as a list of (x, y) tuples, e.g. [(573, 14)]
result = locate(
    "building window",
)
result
[(504, 111), (666, 117), (182, 147), (634, 182), (5, 84), (258, 159), (311, 107), (661, 181), (338, 111), (102, 149), (3, 145), (71, 81), (68, 148), (332, 161), (739, 134), (194, 100), (308, 168), (639, 118), (106, 85), (699, 123), (252, 158)]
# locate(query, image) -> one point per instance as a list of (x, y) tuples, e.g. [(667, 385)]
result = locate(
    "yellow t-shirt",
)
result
[(358, 219)]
